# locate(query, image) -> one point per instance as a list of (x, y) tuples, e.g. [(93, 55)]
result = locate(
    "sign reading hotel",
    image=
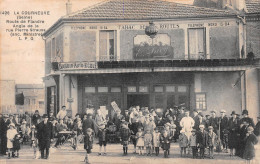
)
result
[(156, 48), (77, 65)]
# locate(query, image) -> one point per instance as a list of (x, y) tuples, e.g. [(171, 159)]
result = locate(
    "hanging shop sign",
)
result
[(78, 65)]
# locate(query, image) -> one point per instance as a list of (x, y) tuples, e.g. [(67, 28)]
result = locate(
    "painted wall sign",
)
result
[(157, 48), (78, 65)]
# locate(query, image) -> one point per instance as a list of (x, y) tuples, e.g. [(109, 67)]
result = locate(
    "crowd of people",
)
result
[(147, 129)]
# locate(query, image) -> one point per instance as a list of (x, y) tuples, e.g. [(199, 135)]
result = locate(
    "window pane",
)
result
[(182, 89), (103, 45), (201, 101), (115, 89), (158, 89), (90, 89), (102, 89), (170, 88), (143, 89), (131, 89)]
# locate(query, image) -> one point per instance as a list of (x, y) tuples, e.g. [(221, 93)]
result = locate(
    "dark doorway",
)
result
[(138, 99)]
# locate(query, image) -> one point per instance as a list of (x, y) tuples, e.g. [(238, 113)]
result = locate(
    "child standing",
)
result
[(165, 142), (156, 140), (102, 138), (148, 142), (183, 142), (11, 132), (140, 140), (88, 144), (193, 143), (212, 139), (250, 141), (16, 145), (202, 140), (34, 141), (125, 136)]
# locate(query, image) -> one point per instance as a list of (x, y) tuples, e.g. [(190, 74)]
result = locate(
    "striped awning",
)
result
[(157, 69)]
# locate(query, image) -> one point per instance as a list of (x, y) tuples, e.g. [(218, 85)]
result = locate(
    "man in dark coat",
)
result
[(213, 121), (35, 117), (223, 122), (257, 127), (88, 123), (233, 127), (250, 141), (45, 136), (3, 131), (247, 119)]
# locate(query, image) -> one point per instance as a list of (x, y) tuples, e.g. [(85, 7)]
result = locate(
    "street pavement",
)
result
[(66, 155)]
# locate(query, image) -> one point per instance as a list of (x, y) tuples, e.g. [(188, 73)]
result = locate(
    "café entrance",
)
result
[(141, 100)]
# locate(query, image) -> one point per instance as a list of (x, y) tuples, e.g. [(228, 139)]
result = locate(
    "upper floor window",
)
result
[(107, 45), (197, 44)]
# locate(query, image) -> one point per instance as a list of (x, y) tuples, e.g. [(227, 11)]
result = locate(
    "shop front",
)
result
[(153, 90)]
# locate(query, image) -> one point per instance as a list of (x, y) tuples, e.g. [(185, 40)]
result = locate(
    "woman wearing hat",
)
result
[(11, 132), (233, 127)]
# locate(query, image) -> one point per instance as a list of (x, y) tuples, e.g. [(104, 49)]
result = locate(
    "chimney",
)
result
[(68, 7)]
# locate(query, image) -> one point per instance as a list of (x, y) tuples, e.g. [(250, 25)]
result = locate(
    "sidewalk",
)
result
[(66, 155)]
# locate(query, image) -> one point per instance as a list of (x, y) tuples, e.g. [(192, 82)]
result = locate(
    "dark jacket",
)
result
[(202, 139), (102, 135), (249, 152), (35, 118), (165, 142), (257, 129), (88, 142), (223, 123), (45, 134), (214, 123), (88, 123), (233, 127)]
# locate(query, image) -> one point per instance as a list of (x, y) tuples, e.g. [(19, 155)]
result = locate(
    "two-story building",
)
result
[(149, 53)]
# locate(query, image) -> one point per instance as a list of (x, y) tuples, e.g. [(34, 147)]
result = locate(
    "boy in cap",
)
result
[(250, 141), (125, 136), (148, 142), (165, 143), (34, 141), (183, 142), (102, 138), (193, 143), (88, 143), (156, 140), (212, 139), (202, 140)]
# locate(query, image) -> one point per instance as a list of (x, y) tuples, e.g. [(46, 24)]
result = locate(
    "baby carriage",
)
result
[(111, 133)]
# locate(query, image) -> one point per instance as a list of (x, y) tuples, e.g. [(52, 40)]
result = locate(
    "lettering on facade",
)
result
[(77, 65), (196, 25), (157, 48)]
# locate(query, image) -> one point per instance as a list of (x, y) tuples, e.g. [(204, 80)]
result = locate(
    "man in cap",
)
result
[(35, 117), (45, 136), (233, 127), (213, 121), (223, 122), (117, 120), (62, 113), (202, 139), (51, 115)]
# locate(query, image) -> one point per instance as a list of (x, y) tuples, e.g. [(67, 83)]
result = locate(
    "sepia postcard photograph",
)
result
[(130, 81)]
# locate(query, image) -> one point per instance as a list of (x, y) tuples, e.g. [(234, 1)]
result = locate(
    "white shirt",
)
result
[(187, 123), (61, 114)]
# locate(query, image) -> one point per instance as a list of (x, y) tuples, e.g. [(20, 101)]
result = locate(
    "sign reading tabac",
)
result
[(77, 65)]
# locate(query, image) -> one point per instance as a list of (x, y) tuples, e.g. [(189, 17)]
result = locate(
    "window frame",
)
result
[(201, 93), (204, 43)]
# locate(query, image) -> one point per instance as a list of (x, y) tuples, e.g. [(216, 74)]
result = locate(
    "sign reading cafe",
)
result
[(77, 65)]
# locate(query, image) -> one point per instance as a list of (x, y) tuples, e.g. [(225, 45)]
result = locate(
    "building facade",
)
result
[(155, 54)]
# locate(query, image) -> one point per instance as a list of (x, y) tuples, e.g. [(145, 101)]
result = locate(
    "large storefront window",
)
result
[(197, 43), (107, 44)]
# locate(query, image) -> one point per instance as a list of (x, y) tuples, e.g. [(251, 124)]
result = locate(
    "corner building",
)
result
[(104, 53)]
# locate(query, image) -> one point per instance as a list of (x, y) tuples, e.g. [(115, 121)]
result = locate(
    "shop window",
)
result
[(170, 88), (102, 89), (115, 89), (201, 101), (131, 88), (107, 45), (90, 89), (197, 43), (158, 89), (182, 88), (143, 89)]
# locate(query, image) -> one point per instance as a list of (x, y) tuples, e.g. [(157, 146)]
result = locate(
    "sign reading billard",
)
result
[(78, 65)]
